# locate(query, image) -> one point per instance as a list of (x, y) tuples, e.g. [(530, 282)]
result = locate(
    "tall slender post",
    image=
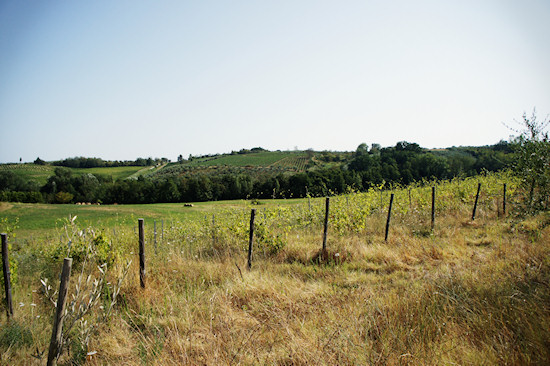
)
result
[(251, 237), (141, 253), (162, 230), (475, 204), (57, 331), (504, 200), (155, 234), (433, 207), (389, 218), (7, 279), (326, 224)]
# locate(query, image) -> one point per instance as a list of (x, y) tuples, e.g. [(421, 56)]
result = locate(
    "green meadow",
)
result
[(43, 219)]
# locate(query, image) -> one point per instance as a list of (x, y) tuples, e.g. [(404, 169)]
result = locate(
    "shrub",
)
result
[(532, 163), (63, 197)]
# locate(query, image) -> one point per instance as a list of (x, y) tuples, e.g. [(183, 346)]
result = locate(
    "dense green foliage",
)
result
[(81, 162), (532, 163), (407, 162), (255, 173)]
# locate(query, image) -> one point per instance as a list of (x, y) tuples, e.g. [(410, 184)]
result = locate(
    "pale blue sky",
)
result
[(127, 79)]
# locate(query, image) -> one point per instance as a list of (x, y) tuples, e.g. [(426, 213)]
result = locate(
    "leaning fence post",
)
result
[(7, 279), (251, 237), (475, 203), (155, 234), (504, 200), (433, 207), (141, 253), (57, 331), (326, 224), (389, 217)]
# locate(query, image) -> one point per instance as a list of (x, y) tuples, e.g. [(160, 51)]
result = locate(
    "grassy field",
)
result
[(467, 292), (43, 219)]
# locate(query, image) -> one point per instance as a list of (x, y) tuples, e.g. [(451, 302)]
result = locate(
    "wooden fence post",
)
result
[(251, 237), (155, 234), (57, 331), (475, 203), (389, 217), (433, 208), (141, 253), (504, 200), (327, 205), (7, 276)]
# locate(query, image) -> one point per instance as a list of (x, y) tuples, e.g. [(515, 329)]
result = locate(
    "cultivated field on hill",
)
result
[(266, 161), (467, 291), (41, 173), (265, 158), (33, 172)]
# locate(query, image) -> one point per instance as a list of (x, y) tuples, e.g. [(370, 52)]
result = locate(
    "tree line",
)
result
[(403, 163), (82, 162)]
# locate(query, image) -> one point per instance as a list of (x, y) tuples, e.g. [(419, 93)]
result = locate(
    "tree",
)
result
[(362, 149), (532, 162), (63, 197)]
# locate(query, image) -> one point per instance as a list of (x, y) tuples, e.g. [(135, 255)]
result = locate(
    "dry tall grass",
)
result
[(471, 294)]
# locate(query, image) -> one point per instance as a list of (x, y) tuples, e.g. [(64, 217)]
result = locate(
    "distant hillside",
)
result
[(264, 158), (254, 173), (39, 174), (29, 172)]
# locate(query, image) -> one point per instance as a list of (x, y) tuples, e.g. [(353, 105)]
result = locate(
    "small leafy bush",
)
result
[(82, 244), (268, 241)]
